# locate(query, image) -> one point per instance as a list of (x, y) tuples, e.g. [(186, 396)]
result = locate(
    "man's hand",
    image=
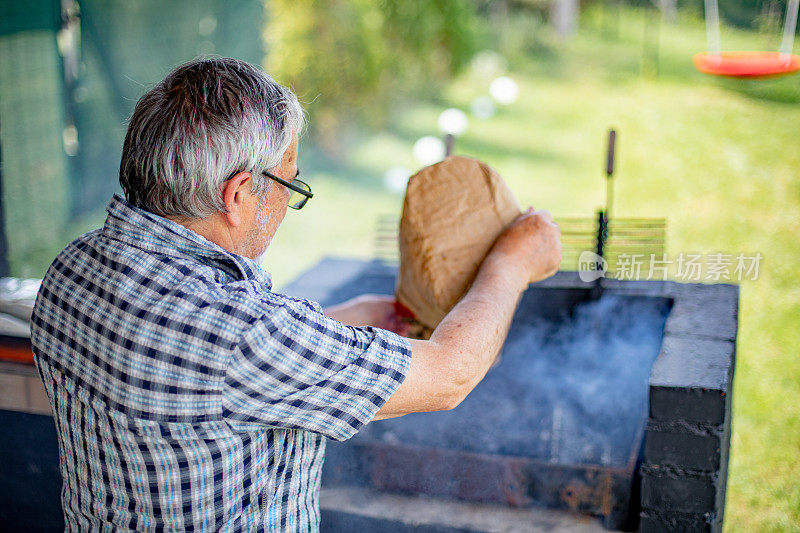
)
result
[(530, 246), (369, 310)]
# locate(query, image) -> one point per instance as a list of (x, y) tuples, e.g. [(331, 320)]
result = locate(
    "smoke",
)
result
[(570, 389)]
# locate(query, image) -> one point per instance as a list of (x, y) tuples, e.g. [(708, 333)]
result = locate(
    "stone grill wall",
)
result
[(685, 467)]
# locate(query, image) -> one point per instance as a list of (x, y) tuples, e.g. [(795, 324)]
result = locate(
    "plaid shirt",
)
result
[(188, 396)]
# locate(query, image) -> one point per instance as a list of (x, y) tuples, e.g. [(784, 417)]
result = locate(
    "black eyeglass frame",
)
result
[(307, 194)]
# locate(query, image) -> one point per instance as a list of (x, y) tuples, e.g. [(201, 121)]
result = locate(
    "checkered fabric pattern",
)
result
[(187, 396)]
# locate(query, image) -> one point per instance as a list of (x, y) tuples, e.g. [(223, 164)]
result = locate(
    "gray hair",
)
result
[(207, 120)]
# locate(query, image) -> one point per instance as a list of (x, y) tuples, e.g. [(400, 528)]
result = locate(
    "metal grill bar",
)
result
[(645, 237)]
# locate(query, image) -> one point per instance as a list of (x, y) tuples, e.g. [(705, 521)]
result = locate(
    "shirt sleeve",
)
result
[(299, 369)]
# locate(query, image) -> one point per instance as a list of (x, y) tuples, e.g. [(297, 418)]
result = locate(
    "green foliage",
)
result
[(348, 59), (521, 33)]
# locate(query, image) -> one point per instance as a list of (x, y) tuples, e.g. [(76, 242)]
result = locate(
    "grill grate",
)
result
[(643, 238), (616, 240)]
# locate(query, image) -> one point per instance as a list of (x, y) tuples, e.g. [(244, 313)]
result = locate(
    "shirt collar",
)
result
[(153, 233)]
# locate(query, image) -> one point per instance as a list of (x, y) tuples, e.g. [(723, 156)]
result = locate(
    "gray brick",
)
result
[(685, 445), (704, 290), (694, 404), (709, 311), (670, 489), (693, 363), (653, 521)]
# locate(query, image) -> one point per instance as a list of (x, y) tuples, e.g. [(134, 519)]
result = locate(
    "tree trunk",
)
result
[(564, 17)]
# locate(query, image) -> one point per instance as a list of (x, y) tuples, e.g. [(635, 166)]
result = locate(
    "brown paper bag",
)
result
[(452, 214)]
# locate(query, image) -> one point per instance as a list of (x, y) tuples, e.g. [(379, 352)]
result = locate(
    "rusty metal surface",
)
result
[(365, 509), (513, 481)]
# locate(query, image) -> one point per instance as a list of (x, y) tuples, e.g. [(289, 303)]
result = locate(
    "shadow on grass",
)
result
[(784, 90)]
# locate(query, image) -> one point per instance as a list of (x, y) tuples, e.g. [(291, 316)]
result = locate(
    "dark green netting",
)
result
[(122, 48)]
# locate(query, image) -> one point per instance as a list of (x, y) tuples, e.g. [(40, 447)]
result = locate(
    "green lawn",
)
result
[(718, 159)]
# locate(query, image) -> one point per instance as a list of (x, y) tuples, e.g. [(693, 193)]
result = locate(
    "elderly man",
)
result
[(189, 396)]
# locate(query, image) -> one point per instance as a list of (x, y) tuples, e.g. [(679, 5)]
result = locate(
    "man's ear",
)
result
[(233, 196)]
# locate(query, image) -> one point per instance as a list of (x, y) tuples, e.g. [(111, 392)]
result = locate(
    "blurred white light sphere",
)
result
[(396, 178), (483, 107), (70, 138), (428, 150), (504, 90), (488, 63), (453, 121), (207, 25)]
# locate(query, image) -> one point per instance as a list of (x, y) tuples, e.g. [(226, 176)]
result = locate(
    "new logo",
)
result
[(591, 266)]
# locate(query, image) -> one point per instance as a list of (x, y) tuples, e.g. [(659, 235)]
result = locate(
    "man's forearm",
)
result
[(473, 333)]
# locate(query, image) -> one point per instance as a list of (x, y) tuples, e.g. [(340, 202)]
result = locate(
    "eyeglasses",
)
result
[(301, 191)]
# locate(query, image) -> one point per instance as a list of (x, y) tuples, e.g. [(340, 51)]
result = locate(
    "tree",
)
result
[(349, 59)]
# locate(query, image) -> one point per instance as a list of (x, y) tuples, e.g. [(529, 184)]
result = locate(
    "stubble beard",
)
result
[(260, 228)]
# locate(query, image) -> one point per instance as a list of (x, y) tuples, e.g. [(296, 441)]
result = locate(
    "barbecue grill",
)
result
[(645, 395)]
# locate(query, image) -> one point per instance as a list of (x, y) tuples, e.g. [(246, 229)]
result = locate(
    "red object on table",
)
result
[(747, 64), (16, 350)]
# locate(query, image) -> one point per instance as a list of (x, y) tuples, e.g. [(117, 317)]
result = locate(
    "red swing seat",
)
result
[(747, 64)]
